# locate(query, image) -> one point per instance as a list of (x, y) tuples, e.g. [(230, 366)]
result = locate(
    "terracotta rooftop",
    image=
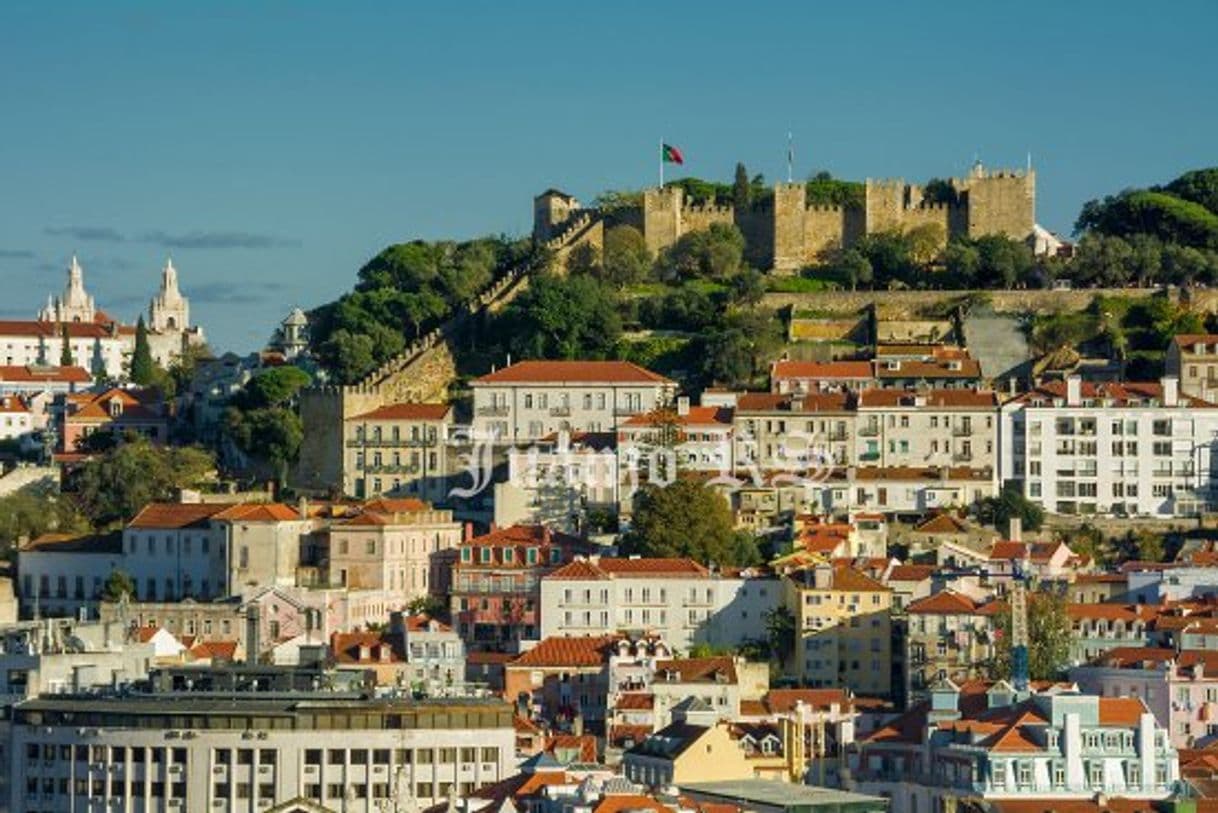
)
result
[(171, 515), (1126, 394), (823, 370), (942, 523), (34, 375), (606, 568), (572, 372), (258, 512), (558, 652), (911, 573), (780, 701), (406, 412), (811, 402), (696, 670), (110, 543), (697, 416), (945, 602), (932, 399)]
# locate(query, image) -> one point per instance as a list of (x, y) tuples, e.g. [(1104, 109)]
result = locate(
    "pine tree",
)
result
[(143, 370), (741, 190), (65, 354)]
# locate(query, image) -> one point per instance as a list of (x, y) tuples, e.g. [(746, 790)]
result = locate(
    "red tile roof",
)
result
[(911, 573), (583, 744), (349, 647), (935, 399), (811, 402), (941, 523), (606, 568), (214, 650), (170, 515), (822, 370), (1126, 394), (560, 652), (697, 670), (107, 544), (635, 701), (13, 403), (780, 701), (423, 622), (945, 602), (59, 375), (406, 412), (697, 416), (258, 512), (573, 372)]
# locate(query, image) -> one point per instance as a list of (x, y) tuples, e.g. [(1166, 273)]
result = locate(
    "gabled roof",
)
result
[(1120, 394), (720, 669), (214, 650), (572, 372), (932, 399), (781, 701), (945, 602), (911, 573), (108, 544), (697, 416), (941, 523), (558, 652), (823, 370), (258, 512), (609, 568), (635, 701), (45, 375), (405, 412), (806, 403), (171, 515), (671, 741)]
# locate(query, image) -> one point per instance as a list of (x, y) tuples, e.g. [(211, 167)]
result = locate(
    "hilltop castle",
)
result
[(786, 233)]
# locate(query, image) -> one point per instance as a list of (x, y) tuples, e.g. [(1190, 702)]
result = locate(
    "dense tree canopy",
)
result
[(687, 519), (562, 318), (714, 253), (1010, 502), (1184, 212), (402, 292), (262, 420), (116, 485), (1049, 638), (143, 368), (30, 513)]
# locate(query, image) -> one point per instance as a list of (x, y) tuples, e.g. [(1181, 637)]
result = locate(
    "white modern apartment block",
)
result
[(555, 484), (1140, 449), (529, 400), (242, 750), (678, 600)]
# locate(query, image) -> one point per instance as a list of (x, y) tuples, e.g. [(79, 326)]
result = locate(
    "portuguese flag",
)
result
[(671, 155)]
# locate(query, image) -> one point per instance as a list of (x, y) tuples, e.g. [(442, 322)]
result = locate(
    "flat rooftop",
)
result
[(771, 795)]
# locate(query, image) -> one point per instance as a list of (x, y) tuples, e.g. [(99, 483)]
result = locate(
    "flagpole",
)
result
[(661, 163), (790, 157)]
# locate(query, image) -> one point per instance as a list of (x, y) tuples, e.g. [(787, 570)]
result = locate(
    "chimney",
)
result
[(577, 724), (1171, 390), (683, 405), (1074, 390), (302, 508), (469, 531), (1015, 529), (1012, 386)]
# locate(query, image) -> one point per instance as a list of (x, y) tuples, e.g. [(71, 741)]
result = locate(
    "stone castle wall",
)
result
[(790, 234)]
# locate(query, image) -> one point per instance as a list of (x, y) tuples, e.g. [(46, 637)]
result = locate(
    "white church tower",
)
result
[(169, 311), (75, 305)]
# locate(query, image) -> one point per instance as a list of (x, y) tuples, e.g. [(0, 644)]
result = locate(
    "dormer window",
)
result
[(509, 555), (531, 556), (116, 408), (467, 555), (485, 555)]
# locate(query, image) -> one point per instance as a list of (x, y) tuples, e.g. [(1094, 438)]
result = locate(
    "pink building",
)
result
[(1179, 688)]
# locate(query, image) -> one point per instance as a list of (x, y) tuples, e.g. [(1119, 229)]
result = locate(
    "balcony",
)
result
[(560, 412), (869, 431), (391, 469), (869, 457), (962, 431), (492, 411), (962, 457)]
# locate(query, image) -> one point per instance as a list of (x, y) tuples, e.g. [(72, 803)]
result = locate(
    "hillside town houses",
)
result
[(463, 620)]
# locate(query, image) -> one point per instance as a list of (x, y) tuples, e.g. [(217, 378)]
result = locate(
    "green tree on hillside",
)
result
[(118, 585), (561, 318), (742, 191), (1010, 502), (115, 486), (687, 519), (1049, 637), (626, 259), (143, 368), (714, 253), (65, 352)]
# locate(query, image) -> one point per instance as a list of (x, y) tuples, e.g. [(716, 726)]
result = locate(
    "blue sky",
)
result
[(272, 148)]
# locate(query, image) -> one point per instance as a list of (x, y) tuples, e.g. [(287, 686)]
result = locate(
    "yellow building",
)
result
[(843, 629)]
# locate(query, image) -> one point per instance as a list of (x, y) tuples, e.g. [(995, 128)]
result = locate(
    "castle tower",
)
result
[(662, 217), (551, 209), (75, 305), (169, 311), (790, 205), (1001, 202)]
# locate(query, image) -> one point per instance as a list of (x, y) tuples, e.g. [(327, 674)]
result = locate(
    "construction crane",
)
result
[(1021, 574)]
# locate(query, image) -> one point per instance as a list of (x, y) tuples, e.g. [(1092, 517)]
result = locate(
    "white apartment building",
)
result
[(939, 427), (398, 449), (242, 750), (16, 418), (529, 400), (1140, 449), (678, 600)]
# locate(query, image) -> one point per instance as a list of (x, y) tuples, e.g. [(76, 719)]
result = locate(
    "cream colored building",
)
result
[(393, 546), (399, 450), (800, 432), (843, 629), (1193, 359), (941, 427), (529, 400)]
